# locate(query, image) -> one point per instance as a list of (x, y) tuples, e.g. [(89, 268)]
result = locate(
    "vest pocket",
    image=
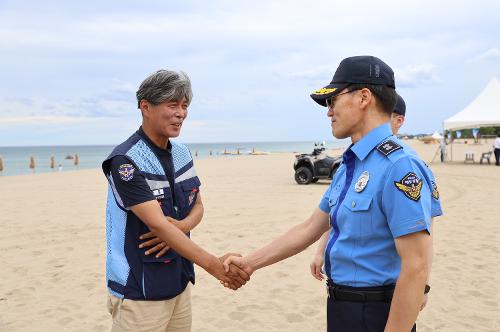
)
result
[(151, 258), (188, 193), (163, 280)]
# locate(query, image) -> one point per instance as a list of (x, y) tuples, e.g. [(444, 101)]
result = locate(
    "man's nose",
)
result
[(181, 112), (329, 112)]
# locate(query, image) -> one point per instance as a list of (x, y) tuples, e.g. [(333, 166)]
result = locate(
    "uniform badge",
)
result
[(388, 147), (362, 181), (410, 185), (192, 195), (435, 192), (126, 172)]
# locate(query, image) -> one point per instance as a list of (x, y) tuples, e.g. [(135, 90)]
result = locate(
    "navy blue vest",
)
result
[(130, 274)]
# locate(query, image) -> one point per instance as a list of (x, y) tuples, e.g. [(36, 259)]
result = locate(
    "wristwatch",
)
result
[(427, 289)]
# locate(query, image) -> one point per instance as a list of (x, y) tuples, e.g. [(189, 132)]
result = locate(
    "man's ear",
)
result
[(366, 98), (145, 108)]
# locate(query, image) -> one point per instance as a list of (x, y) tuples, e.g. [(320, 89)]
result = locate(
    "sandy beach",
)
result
[(52, 248)]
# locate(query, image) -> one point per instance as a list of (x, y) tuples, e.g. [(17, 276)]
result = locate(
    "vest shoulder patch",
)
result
[(388, 147)]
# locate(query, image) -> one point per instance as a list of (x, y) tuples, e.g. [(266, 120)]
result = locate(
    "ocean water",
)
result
[(16, 160)]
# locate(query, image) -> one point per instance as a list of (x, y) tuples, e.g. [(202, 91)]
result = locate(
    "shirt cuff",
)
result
[(410, 226)]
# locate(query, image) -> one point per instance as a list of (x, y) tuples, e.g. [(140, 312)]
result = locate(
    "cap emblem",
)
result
[(324, 91)]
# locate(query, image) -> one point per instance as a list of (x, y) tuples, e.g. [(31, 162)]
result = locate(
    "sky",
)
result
[(69, 70)]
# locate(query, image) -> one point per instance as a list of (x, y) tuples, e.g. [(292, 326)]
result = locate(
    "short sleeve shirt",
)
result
[(130, 184), (379, 193)]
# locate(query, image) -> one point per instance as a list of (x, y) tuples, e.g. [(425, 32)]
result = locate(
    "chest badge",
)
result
[(362, 182)]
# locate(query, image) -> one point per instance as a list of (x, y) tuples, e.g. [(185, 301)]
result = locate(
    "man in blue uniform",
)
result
[(378, 253), (154, 189), (397, 121)]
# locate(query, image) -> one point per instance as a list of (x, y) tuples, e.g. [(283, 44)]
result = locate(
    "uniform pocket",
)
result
[(357, 203), (356, 215)]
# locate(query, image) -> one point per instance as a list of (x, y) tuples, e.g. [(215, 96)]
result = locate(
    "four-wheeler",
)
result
[(311, 167)]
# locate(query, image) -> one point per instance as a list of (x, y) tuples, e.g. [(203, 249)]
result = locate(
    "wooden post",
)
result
[(32, 163)]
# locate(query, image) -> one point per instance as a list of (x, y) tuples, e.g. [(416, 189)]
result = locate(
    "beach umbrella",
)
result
[(32, 163), (1, 164), (77, 160), (52, 162)]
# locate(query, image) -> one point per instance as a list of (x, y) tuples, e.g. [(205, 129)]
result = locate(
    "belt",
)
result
[(362, 294)]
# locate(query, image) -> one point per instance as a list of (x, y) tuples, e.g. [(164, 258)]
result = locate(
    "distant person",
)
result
[(496, 146), (397, 121), (398, 115), (154, 194), (442, 149), (377, 270)]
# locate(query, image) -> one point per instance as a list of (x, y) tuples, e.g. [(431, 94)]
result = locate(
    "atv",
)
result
[(311, 167)]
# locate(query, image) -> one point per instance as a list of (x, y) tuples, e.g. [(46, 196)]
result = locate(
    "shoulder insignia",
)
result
[(410, 185), (388, 147), (126, 172), (435, 192)]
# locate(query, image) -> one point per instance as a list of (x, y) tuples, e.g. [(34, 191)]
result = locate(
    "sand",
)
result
[(52, 248)]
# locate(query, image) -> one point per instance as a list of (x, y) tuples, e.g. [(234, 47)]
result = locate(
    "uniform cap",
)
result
[(400, 107), (364, 69)]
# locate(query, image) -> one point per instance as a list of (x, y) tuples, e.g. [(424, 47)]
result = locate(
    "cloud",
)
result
[(50, 110), (43, 120), (71, 62), (491, 54), (316, 75), (417, 75)]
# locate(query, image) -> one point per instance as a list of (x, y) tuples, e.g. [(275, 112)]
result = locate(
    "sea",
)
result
[(16, 160)]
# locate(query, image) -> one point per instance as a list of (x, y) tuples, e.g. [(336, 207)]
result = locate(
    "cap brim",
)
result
[(320, 96)]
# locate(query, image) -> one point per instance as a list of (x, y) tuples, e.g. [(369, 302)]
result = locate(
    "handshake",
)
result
[(231, 270)]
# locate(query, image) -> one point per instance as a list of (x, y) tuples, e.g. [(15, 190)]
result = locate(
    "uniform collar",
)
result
[(368, 142), (156, 148)]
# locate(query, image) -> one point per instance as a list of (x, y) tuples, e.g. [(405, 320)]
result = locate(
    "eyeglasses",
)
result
[(330, 102)]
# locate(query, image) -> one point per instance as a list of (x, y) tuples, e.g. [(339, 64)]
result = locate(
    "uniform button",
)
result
[(353, 204)]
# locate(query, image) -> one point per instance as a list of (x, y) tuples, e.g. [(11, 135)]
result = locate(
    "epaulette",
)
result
[(388, 147)]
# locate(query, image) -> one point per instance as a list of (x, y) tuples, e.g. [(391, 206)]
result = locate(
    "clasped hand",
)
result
[(231, 271)]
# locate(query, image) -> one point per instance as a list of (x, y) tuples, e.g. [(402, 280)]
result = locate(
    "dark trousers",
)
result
[(497, 157), (343, 316)]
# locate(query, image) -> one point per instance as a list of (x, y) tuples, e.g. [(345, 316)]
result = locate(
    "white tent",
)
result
[(436, 135), (484, 111)]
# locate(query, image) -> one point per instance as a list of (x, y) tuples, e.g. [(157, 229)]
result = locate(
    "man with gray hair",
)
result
[(154, 195)]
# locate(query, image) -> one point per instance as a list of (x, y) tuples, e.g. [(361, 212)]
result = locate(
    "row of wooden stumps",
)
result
[(32, 163), (76, 162)]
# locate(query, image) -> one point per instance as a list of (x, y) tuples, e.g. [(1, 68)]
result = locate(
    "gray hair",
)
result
[(165, 85)]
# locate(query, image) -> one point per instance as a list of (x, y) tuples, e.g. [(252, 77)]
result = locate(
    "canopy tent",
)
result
[(484, 111), (436, 135)]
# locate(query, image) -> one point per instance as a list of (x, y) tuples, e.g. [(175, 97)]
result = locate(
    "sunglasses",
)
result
[(330, 102)]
